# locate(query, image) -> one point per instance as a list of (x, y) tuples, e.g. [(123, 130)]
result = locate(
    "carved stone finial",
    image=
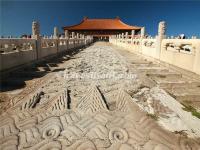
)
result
[(122, 35), (77, 35), (82, 36), (126, 35), (66, 34), (55, 33), (142, 31), (161, 28), (132, 33), (73, 35), (35, 29)]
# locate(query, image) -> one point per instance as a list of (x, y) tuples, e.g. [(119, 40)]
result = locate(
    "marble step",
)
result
[(151, 69), (144, 65), (187, 95), (138, 61), (173, 81), (164, 74)]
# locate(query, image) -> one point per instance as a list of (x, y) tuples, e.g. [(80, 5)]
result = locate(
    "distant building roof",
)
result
[(101, 24)]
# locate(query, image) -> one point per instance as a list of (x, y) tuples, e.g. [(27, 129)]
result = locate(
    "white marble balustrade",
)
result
[(16, 45)]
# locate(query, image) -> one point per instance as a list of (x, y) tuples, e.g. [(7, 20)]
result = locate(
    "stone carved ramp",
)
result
[(43, 121), (101, 129), (91, 103)]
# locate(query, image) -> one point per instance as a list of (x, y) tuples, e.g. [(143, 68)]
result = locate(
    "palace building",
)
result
[(101, 29)]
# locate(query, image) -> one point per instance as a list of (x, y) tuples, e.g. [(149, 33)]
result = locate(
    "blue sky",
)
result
[(181, 16)]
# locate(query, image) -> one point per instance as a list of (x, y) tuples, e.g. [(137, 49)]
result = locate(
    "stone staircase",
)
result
[(179, 85)]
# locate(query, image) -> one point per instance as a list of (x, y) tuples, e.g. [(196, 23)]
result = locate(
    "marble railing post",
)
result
[(56, 36), (66, 34), (122, 37), (77, 38), (126, 36), (132, 34), (85, 39), (35, 30), (142, 32), (142, 35), (77, 35), (67, 38), (83, 36), (80, 37), (73, 35), (73, 38), (55, 33), (161, 35), (118, 38), (36, 36)]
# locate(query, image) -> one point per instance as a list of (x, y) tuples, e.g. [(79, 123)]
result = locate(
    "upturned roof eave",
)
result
[(77, 26), (64, 28)]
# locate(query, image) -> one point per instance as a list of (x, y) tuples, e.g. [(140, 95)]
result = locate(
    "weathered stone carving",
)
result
[(55, 33), (45, 145), (98, 132), (122, 102), (35, 29), (16, 45), (117, 134), (29, 137), (132, 33), (126, 35), (77, 35), (136, 42), (92, 102), (9, 142), (46, 43), (142, 32), (73, 35), (188, 144), (32, 102), (7, 127), (122, 36), (60, 103), (69, 119), (72, 133), (149, 44), (179, 47), (66, 34), (72, 114), (162, 29), (82, 144), (50, 128)]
